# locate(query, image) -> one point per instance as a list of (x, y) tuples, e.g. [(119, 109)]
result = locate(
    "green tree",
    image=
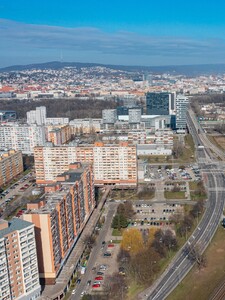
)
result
[(119, 221)]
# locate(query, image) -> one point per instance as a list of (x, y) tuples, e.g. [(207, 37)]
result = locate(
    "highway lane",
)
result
[(205, 230)]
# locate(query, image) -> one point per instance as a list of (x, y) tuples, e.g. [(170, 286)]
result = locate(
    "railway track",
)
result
[(219, 293)]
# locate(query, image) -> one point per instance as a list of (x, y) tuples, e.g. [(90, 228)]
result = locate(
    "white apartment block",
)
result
[(19, 276), (21, 137), (85, 125), (37, 116)]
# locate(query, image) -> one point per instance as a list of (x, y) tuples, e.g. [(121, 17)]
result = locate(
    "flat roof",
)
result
[(13, 225)]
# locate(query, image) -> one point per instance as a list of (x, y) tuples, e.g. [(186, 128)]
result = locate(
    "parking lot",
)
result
[(155, 173), (13, 195)]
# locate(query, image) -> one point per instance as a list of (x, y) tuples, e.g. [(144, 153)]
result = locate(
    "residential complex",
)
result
[(21, 137), (11, 164), (18, 261), (59, 217), (112, 164)]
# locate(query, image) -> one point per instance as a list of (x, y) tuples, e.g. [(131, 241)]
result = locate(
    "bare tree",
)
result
[(195, 255), (115, 286)]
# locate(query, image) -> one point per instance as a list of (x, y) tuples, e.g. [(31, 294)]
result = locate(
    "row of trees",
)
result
[(184, 223)]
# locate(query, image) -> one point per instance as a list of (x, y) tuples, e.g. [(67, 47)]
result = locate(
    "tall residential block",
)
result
[(59, 216), (37, 116), (19, 276), (21, 137), (11, 164), (112, 164)]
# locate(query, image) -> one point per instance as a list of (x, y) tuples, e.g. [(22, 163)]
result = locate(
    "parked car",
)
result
[(99, 278), (106, 254), (95, 286), (100, 273)]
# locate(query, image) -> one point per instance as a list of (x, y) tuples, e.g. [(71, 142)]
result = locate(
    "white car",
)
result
[(73, 291)]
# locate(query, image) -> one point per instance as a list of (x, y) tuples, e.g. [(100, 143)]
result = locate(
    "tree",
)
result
[(119, 221), (144, 265), (186, 225), (164, 241), (115, 287), (126, 209), (89, 240), (195, 255), (197, 209), (178, 149), (132, 241)]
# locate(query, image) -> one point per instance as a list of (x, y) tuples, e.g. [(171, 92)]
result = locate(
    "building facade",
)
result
[(21, 137), (109, 116), (182, 103), (112, 164), (11, 165), (59, 217), (158, 103), (18, 261)]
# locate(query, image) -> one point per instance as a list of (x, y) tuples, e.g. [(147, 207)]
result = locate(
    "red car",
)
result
[(95, 286), (110, 245), (99, 278)]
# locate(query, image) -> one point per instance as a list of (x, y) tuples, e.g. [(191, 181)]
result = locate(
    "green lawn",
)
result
[(116, 232), (174, 195), (201, 284)]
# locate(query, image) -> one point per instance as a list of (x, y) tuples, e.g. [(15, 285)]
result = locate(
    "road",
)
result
[(96, 251), (181, 264)]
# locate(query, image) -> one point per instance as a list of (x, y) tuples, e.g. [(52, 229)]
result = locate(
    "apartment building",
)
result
[(39, 117), (112, 164), (21, 137), (11, 164), (58, 135), (18, 261), (86, 125), (59, 216)]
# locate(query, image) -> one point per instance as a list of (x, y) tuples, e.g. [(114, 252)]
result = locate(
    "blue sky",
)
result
[(130, 32)]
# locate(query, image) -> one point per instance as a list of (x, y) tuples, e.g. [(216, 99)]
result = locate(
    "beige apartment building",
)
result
[(19, 277), (11, 164), (59, 216), (112, 164)]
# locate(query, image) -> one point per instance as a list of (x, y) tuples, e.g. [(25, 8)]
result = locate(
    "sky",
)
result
[(146, 32)]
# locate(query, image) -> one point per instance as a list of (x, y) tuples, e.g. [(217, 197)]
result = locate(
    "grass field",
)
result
[(174, 195), (201, 284), (189, 151)]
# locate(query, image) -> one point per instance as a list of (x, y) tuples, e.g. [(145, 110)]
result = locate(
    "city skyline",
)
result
[(125, 33)]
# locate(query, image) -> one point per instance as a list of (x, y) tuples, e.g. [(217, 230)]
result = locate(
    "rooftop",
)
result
[(14, 225)]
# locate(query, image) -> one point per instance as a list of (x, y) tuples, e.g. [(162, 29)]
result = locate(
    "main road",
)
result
[(201, 237)]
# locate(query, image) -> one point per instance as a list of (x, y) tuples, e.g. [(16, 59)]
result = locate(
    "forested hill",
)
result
[(182, 69)]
